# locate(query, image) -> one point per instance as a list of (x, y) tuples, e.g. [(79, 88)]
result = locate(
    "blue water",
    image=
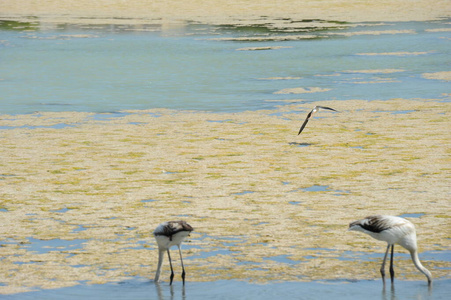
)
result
[(114, 68), (232, 289), (45, 246)]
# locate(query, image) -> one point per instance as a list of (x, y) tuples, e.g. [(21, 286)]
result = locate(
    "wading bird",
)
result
[(393, 230), (314, 110), (169, 234)]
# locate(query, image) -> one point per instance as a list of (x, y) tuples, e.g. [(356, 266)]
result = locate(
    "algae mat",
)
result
[(265, 204), (225, 11)]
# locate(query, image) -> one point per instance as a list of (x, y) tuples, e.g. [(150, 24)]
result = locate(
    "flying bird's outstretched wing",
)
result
[(305, 122), (314, 110), (325, 107)]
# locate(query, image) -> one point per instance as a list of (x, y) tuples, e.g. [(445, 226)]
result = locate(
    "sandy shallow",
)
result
[(238, 178), (225, 11)]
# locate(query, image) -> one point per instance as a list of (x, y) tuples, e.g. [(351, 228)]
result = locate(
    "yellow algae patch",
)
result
[(375, 71), (62, 37), (266, 38), (376, 80), (262, 48), (246, 182), (445, 76), (301, 90), (375, 32), (438, 30), (402, 53), (225, 11), (280, 78)]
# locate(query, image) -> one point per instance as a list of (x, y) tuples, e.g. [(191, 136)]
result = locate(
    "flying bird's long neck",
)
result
[(417, 263), (160, 263)]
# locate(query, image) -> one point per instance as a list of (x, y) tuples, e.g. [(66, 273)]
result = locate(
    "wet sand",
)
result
[(265, 203), (223, 11)]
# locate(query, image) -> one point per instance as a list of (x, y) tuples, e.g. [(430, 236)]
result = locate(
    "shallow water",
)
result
[(61, 67), (232, 289)]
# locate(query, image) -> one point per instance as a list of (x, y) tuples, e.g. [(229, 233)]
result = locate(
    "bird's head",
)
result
[(355, 226)]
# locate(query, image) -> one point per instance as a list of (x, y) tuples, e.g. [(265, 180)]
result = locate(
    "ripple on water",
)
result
[(243, 193), (341, 289), (46, 246), (418, 215)]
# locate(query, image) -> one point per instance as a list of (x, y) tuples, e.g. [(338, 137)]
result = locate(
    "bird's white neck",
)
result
[(417, 263), (160, 263)]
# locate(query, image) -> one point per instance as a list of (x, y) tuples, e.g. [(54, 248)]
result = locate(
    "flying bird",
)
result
[(170, 234), (393, 230), (314, 110)]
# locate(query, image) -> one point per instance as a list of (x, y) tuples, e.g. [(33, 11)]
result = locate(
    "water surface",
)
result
[(232, 289), (61, 67)]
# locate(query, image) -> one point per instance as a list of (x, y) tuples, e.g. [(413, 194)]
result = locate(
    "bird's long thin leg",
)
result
[(392, 271), (183, 267), (383, 264), (172, 270)]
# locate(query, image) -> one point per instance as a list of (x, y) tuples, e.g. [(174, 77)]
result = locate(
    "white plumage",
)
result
[(170, 234), (393, 230)]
